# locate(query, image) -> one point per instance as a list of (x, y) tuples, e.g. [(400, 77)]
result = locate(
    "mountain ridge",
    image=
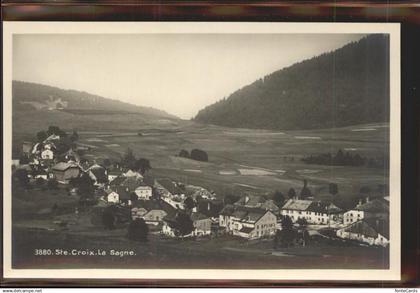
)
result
[(347, 86)]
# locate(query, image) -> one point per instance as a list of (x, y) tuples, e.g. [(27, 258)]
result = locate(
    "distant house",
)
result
[(112, 174), (314, 212), (152, 211), (47, 154), (63, 172), (202, 224), (112, 196), (377, 208), (131, 173), (373, 231), (143, 192), (258, 201), (250, 223), (169, 227), (335, 213), (98, 174), (170, 188), (71, 155)]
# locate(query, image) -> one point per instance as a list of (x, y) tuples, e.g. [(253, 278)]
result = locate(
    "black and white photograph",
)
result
[(211, 148)]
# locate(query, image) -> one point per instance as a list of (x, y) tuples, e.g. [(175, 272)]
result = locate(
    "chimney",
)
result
[(208, 206), (246, 199), (360, 202), (367, 199)]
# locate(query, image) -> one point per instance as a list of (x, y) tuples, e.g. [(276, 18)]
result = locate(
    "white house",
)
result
[(47, 154), (373, 231), (314, 212), (377, 208), (112, 197), (143, 192), (248, 223)]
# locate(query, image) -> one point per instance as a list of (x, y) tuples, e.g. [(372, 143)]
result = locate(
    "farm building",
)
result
[(47, 154), (144, 192), (131, 173), (152, 211), (314, 212), (373, 231), (63, 172), (377, 208), (168, 188), (248, 223), (202, 224), (258, 201)]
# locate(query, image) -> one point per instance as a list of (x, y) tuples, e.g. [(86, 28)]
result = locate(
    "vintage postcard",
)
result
[(246, 151)]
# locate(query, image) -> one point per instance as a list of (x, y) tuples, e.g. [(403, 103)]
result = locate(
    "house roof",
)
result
[(131, 173), (155, 205), (251, 200), (63, 166), (170, 186), (333, 209), (198, 216), (297, 204), (132, 183), (123, 192), (318, 207), (246, 230), (374, 206), (117, 181), (227, 210), (370, 228)]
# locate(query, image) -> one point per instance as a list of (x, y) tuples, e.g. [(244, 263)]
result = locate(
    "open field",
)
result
[(239, 159)]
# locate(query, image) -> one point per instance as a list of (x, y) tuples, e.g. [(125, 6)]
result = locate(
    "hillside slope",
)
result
[(28, 95), (340, 88)]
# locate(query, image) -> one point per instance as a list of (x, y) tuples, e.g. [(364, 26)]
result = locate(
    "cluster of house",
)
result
[(159, 201)]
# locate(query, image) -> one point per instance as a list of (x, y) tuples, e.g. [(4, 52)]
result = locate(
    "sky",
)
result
[(177, 73)]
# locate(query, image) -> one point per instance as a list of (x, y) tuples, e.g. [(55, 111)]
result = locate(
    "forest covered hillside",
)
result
[(345, 87)]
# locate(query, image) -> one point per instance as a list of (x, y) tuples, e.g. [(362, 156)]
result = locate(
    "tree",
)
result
[(108, 218), (189, 203), (305, 192), (41, 136), (52, 184), (291, 193), (287, 232), (333, 188), (184, 224), (230, 199), (56, 131), (199, 155), (84, 185), (278, 198), (184, 154), (107, 162), (128, 159), (365, 190), (40, 181), (302, 222), (142, 165), (74, 136), (286, 224), (138, 230)]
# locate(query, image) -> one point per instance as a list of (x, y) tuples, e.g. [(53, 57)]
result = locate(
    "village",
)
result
[(123, 194)]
